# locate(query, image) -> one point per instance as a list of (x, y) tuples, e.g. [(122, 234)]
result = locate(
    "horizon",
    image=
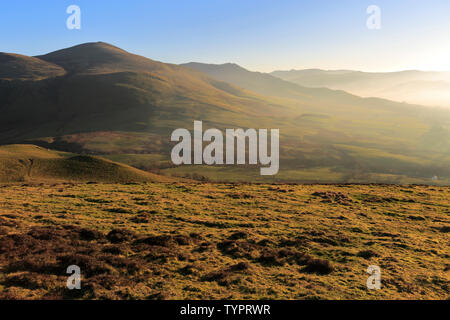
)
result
[(231, 62), (259, 35)]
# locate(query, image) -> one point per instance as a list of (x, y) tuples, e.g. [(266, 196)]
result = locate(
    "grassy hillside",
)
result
[(100, 57), (28, 163), (261, 83), (224, 241), (16, 66)]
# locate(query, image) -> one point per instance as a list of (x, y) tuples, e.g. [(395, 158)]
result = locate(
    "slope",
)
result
[(16, 66), (109, 89), (262, 83), (32, 163)]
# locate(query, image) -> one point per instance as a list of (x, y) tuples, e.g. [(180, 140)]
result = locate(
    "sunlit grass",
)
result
[(214, 241)]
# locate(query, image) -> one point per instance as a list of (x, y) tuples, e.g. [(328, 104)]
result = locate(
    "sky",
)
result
[(260, 35)]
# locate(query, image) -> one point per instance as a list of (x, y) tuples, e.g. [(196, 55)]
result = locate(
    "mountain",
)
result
[(108, 89), (98, 99), (103, 58), (427, 88), (29, 163), (263, 83), (311, 94)]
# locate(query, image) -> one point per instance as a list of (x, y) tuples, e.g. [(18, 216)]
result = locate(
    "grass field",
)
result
[(186, 240)]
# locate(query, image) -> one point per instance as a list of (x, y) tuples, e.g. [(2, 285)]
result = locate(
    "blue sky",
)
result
[(261, 35)]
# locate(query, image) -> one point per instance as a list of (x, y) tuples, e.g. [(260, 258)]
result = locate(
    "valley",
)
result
[(97, 99)]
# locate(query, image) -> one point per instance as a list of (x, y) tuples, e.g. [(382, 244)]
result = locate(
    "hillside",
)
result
[(426, 88), (314, 98), (100, 57), (16, 66), (28, 163), (108, 89), (261, 83), (122, 106)]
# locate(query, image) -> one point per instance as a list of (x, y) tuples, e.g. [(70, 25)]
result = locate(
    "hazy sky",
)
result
[(261, 35)]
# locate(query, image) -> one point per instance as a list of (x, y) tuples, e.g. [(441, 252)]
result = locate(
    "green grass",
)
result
[(187, 240), (310, 175), (32, 163)]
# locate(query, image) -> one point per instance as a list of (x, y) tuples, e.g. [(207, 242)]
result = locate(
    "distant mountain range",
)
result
[(99, 99), (262, 83), (419, 87)]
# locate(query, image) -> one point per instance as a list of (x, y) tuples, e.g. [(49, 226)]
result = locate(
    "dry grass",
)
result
[(213, 241), (30, 163)]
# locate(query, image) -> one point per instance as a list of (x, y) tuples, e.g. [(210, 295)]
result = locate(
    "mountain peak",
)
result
[(99, 57), (232, 65), (222, 66), (99, 45)]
